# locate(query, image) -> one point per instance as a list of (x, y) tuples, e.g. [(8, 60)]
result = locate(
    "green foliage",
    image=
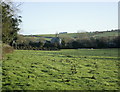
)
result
[(84, 69), (10, 22)]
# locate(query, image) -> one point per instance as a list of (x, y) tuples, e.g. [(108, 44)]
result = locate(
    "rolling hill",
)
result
[(97, 34)]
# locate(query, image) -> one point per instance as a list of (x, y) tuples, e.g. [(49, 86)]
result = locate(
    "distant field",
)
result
[(83, 69), (106, 34), (111, 33), (84, 34)]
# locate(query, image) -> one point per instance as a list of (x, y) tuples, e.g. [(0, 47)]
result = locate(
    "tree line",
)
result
[(31, 43), (96, 43)]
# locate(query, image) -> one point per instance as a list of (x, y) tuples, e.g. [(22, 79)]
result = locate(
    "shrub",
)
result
[(6, 49)]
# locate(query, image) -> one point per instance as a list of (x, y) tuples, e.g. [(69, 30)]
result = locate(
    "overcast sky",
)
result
[(52, 17)]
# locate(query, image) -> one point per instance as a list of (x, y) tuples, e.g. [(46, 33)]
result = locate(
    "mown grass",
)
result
[(83, 69)]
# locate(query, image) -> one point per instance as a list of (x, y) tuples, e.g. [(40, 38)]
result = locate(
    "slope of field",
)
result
[(83, 69), (74, 35)]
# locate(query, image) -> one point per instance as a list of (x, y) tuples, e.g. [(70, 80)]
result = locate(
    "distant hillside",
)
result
[(96, 34)]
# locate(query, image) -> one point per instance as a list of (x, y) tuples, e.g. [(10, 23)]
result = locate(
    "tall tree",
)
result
[(10, 22)]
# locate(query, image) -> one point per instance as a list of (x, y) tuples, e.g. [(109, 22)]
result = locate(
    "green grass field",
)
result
[(89, 34), (82, 69)]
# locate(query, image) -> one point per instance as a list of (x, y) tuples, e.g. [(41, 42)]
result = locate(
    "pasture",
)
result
[(80, 69)]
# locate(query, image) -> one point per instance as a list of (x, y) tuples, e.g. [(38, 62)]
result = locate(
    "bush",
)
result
[(6, 49)]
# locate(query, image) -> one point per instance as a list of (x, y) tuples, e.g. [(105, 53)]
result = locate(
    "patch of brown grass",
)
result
[(6, 49)]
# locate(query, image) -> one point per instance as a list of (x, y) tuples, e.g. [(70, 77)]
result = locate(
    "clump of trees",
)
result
[(27, 43), (32, 43), (92, 42), (103, 42)]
